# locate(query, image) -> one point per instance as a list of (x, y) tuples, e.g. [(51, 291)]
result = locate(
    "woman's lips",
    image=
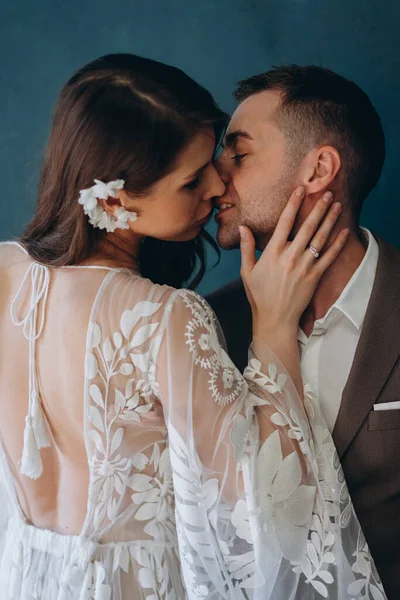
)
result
[(204, 219)]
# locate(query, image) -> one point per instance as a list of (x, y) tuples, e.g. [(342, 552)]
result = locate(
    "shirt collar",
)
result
[(353, 301)]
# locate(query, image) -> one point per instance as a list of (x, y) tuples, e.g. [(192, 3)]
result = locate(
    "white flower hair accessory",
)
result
[(98, 217)]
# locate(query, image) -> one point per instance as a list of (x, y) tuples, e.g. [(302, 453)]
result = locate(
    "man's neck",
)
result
[(333, 282)]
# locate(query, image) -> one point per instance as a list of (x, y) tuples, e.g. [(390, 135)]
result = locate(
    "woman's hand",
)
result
[(281, 283)]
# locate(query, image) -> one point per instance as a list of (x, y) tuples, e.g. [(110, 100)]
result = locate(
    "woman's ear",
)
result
[(111, 204), (323, 164)]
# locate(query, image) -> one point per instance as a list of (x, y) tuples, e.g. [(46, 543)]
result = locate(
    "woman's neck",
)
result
[(119, 250)]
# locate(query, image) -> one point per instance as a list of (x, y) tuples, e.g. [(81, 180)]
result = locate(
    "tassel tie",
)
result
[(36, 434)]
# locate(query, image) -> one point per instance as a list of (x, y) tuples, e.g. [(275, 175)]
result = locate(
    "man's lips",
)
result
[(223, 208)]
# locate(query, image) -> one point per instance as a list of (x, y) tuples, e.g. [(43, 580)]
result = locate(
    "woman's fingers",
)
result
[(247, 250), (287, 219), (302, 238), (330, 255), (323, 232)]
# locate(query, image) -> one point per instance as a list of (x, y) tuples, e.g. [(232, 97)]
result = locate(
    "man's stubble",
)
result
[(259, 210)]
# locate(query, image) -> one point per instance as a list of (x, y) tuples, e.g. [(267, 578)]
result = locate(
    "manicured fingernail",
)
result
[(300, 191), (241, 231), (337, 207), (327, 197)]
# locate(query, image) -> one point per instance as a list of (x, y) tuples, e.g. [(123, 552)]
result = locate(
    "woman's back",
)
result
[(50, 501), (106, 476)]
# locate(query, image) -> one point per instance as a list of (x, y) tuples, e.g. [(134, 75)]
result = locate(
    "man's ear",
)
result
[(322, 166)]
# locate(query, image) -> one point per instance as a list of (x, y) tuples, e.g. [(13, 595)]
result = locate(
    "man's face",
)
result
[(258, 173)]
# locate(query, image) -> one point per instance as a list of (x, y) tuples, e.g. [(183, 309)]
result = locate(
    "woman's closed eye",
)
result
[(192, 185)]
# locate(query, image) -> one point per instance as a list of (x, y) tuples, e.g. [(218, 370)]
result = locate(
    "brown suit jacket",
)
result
[(368, 441)]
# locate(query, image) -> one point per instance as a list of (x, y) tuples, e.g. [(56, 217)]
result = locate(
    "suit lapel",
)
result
[(377, 350)]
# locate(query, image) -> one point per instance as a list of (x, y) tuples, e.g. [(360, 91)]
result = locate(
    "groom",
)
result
[(309, 126)]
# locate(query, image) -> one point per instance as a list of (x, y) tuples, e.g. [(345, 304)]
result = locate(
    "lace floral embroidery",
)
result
[(145, 476), (225, 381)]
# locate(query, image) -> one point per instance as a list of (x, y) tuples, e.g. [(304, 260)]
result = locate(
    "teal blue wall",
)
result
[(215, 41)]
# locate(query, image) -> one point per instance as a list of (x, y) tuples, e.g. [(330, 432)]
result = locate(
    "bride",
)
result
[(136, 462)]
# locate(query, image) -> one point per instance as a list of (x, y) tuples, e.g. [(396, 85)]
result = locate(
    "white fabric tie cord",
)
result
[(36, 434)]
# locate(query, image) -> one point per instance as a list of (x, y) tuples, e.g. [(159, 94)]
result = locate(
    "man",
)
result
[(309, 126)]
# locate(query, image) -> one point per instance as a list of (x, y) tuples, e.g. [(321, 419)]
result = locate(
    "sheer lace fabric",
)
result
[(161, 471)]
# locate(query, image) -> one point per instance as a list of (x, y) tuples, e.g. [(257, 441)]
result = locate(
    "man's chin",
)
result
[(228, 240)]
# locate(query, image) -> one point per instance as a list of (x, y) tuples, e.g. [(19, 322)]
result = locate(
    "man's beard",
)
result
[(260, 214)]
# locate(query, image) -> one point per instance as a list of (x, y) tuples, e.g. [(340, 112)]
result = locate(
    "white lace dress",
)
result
[(176, 476)]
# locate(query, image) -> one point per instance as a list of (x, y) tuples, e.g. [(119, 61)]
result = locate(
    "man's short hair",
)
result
[(321, 107)]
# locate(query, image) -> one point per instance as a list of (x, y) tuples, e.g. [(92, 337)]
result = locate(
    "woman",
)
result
[(137, 462)]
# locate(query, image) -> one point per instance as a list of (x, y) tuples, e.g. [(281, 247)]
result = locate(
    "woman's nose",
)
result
[(221, 165), (217, 187)]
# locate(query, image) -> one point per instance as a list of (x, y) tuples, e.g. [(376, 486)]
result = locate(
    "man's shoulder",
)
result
[(381, 327), (389, 255), (387, 277)]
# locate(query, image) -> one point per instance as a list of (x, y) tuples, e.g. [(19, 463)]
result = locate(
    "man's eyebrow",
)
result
[(232, 137)]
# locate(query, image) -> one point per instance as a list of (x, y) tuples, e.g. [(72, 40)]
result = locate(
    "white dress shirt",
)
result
[(327, 355)]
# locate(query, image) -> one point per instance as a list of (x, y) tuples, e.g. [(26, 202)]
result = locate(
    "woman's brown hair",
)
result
[(119, 117)]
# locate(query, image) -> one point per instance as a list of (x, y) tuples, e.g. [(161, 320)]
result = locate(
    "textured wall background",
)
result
[(217, 42)]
